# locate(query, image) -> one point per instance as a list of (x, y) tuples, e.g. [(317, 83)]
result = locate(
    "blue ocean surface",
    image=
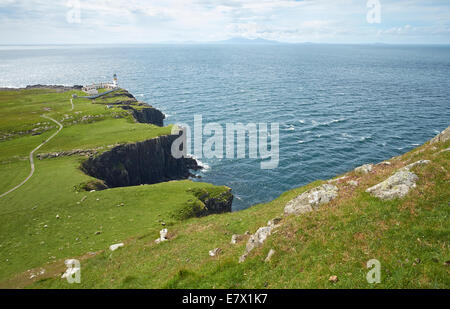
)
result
[(338, 106)]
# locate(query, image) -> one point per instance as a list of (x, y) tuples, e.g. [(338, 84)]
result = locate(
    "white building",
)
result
[(93, 88)]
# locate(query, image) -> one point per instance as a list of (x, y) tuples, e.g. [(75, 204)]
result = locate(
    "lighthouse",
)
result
[(115, 84)]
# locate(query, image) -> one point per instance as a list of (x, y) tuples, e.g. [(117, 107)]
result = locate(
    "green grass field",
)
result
[(31, 235), (409, 236)]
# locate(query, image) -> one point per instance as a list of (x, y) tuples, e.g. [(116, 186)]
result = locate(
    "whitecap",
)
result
[(364, 138), (205, 166), (346, 135)]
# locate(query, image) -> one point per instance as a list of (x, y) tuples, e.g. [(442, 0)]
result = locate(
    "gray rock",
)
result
[(441, 137), (236, 238), (162, 236), (259, 237), (215, 252), (364, 169), (311, 200), (399, 184), (385, 163), (396, 186), (115, 246), (353, 183), (420, 162), (269, 255)]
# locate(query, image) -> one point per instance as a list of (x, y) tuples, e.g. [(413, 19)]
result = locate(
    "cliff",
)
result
[(146, 162), (146, 115)]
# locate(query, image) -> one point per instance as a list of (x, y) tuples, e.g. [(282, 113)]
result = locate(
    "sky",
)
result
[(164, 21)]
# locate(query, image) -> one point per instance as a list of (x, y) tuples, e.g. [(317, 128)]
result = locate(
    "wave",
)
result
[(364, 138), (290, 128), (205, 166), (346, 135), (327, 123)]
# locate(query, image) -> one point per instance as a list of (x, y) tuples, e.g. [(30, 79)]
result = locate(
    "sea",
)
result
[(337, 106)]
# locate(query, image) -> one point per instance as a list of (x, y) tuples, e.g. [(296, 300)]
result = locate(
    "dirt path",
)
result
[(32, 156)]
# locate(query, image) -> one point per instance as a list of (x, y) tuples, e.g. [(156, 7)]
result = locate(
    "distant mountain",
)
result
[(247, 41)]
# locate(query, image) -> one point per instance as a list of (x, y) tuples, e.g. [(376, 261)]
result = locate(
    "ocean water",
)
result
[(338, 106)]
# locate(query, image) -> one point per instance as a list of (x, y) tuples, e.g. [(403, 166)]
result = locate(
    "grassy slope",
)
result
[(410, 237), (25, 242)]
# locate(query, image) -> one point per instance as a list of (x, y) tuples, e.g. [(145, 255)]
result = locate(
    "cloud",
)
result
[(116, 21)]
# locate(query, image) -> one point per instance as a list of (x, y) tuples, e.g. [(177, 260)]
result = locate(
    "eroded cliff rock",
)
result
[(147, 115), (146, 162)]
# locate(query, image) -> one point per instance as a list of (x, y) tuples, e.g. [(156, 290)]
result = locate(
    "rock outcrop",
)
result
[(259, 237), (311, 200), (146, 162), (442, 137), (146, 115), (398, 185), (364, 169), (214, 203)]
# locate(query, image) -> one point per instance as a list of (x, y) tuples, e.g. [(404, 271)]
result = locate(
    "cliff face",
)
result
[(149, 115), (214, 202), (145, 162), (218, 204), (142, 114)]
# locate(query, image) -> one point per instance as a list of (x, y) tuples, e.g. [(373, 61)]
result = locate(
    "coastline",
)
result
[(348, 211)]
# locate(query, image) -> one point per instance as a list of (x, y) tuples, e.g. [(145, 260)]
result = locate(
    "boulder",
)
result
[(162, 236), (115, 246), (259, 237), (311, 200), (396, 186), (387, 163), (215, 252), (364, 169), (236, 238), (399, 184)]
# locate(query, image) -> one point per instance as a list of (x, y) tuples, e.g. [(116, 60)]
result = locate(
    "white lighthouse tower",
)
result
[(115, 84)]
